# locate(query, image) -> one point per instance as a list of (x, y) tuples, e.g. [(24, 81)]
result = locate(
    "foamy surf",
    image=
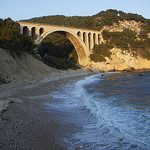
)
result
[(116, 125)]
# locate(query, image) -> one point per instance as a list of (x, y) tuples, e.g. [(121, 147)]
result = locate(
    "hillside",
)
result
[(48, 51), (128, 33), (26, 67), (96, 22), (122, 35)]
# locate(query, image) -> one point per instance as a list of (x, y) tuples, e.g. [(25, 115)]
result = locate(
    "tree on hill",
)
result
[(12, 40), (58, 52), (56, 48), (95, 22)]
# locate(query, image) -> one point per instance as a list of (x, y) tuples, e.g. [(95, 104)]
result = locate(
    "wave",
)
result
[(122, 121), (117, 124)]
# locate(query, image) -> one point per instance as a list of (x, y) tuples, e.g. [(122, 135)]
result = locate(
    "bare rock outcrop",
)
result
[(121, 60), (132, 25)]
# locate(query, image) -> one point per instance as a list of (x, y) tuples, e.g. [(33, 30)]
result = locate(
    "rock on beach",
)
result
[(4, 104)]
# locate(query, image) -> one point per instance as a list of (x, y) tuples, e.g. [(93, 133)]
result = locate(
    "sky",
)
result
[(26, 9)]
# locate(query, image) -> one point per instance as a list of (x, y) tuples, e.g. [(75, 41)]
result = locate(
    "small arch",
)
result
[(94, 39), (79, 34), (98, 38), (41, 31), (25, 31), (89, 41), (84, 37), (34, 33)]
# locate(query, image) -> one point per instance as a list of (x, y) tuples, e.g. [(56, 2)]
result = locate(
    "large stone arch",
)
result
[(80, 47)]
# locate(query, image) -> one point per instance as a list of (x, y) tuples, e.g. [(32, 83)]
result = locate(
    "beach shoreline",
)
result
[(25, 125)]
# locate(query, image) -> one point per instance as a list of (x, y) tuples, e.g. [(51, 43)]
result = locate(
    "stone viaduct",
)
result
[(82, 39)]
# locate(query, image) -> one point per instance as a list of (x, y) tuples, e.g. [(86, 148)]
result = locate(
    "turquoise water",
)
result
[(112, 110)]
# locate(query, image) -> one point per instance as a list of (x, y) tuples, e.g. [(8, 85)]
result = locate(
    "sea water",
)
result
[(112, 111)]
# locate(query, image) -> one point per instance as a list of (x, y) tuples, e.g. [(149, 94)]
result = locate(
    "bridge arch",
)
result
[(26, 31), (89, 40), (41, 31), (85, 39), (34, 32), (98, 38), (75, 40), (94, 39), (79, 34)]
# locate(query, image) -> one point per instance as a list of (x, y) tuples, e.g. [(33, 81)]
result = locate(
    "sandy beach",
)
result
[(25, 125)]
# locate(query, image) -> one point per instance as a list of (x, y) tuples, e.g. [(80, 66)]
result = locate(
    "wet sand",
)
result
[(26, 125)]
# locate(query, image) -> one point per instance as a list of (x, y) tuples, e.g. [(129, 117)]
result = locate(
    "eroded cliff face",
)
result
[(26, 67), (121, 61), (132, 25)]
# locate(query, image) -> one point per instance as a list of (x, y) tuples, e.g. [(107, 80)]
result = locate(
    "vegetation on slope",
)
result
[(145, 30), (126, 40), (101, 51), (106, 18), (95, 22), (11, 39), (57, 51)]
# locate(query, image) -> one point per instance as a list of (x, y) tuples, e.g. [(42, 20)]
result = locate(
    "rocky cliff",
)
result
[(122, 59)]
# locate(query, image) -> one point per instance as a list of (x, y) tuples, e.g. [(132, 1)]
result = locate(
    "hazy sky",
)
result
[(26, 9)]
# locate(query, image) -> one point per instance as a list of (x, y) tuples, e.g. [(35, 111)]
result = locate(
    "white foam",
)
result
[(122, 121), (112, 120)]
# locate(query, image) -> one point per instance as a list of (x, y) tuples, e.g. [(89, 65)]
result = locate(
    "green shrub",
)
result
[(11, 39), (120, 39), (96, 22), (60, 63), (58, 52), (97, 58), (100, 52), (127, 40), (145, 31), (146, 54)]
